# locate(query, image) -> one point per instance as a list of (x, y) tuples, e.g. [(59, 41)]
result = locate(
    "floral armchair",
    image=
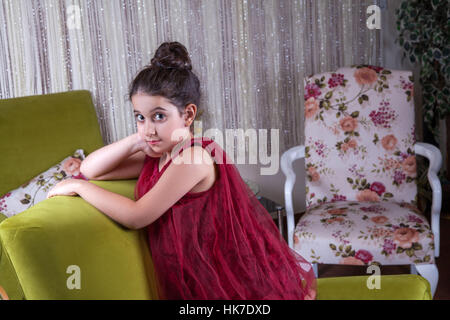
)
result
[(360, 160)]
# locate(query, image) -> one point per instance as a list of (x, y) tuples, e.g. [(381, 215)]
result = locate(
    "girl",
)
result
[(209, 236)]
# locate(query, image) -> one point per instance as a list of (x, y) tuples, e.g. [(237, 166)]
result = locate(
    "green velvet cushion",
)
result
[(392, 287), (43, 241), (39, 131)]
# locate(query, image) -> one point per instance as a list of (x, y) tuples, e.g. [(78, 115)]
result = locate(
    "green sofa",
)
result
[(40, 246)]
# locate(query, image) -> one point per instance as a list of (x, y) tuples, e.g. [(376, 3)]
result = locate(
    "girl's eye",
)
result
[(160, 114)]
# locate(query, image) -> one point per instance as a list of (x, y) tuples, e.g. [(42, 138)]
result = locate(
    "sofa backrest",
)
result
[(36, 132)]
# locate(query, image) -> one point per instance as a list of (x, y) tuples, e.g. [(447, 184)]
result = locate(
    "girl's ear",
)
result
[(189, 113)]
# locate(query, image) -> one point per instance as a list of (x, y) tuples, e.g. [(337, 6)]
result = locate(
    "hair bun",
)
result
[(172, 55)]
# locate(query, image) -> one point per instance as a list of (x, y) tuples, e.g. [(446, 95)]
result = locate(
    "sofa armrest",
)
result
[(43, 242)]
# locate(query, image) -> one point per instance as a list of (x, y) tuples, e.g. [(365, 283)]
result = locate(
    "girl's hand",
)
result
[(142, 145), (66, 187)]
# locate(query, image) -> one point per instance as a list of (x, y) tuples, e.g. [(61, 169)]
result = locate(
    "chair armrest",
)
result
[(434, 157), (287, 159), (43, 241)]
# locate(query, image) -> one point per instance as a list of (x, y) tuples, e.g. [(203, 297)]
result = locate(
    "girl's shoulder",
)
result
[(199, 155)]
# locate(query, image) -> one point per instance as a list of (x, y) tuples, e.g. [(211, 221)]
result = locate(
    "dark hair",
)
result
[(169, 75)]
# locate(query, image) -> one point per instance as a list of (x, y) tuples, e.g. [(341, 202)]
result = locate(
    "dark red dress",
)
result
[(221, 243)]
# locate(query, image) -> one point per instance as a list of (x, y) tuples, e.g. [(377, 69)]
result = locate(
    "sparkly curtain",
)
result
[(250, 55)]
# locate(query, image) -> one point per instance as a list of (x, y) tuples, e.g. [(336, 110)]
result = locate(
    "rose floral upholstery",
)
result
[(361, 190), (362, 233)]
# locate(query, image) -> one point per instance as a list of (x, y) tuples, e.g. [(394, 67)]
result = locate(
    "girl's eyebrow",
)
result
[(157, 108)]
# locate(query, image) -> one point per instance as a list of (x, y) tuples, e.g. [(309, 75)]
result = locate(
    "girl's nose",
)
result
[(150, 130)]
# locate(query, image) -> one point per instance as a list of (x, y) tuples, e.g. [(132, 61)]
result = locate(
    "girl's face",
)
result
[(159, 120)]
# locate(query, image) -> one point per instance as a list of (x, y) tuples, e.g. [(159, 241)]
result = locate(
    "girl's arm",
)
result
[(177, 180), (116, 206), (102, 161)]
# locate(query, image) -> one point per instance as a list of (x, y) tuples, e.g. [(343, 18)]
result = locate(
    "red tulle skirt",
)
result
[(222, 243)]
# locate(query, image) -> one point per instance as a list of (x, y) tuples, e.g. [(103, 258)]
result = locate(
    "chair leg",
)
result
[(429, 272), (316, 269)]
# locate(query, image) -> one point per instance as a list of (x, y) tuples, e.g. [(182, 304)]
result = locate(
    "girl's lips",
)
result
[(154, 142)]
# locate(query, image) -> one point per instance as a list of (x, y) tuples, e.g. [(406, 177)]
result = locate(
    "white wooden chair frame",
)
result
[(433, 154)]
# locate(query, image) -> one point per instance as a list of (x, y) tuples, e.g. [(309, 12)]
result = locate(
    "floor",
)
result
[(443, 263)]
